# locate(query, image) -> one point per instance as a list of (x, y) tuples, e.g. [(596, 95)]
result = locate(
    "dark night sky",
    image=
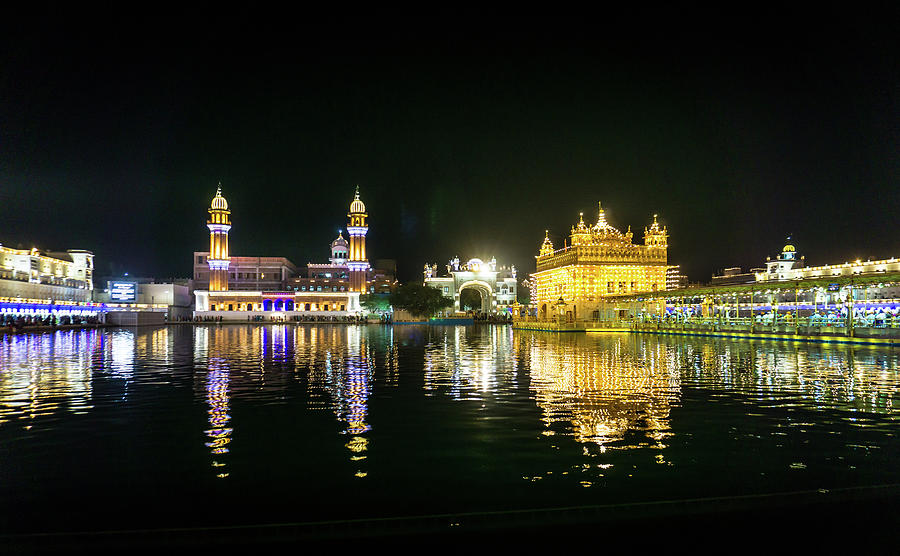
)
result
[(738, 129)]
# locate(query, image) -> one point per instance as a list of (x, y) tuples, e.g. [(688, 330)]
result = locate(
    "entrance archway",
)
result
[(483, 289), (470, 299)]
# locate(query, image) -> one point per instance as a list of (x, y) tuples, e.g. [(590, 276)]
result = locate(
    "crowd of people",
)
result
[(347, 319), (18, 323), (498, 318), (881, 317)]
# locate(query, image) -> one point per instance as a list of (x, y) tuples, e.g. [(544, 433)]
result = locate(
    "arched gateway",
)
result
[(497, 287)]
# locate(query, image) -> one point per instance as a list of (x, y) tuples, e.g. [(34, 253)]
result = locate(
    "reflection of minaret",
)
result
[(219, 224), (356, 395), (346, 376), (217, 397), (356, 384), (357, 228)]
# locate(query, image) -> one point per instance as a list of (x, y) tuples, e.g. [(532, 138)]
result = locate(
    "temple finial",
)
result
[(357, 191)]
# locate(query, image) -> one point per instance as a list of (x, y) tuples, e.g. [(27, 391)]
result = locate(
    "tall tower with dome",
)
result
[(357, 227), (219, 224)]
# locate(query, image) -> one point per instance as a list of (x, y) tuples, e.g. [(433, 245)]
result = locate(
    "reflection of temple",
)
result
[(603, 393)]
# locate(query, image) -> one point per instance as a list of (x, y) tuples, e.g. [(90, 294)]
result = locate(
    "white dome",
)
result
[(340, 242)]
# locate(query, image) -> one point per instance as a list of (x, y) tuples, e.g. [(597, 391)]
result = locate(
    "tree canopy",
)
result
[(419, 300), (523, 292), (379, 303)]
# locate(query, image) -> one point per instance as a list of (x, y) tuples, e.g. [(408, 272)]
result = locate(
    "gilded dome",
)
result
[(357, 206), (788, 249), (219, 202)]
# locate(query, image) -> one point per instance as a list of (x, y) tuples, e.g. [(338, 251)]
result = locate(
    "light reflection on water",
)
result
[(470, 366), (603, 393), (478, 408)]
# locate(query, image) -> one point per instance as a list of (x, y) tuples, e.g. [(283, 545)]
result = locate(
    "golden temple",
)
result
[(598, 261)]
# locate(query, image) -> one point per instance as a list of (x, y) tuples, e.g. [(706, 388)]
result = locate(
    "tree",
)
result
[(378, 303), (419, 300), (523, 292)]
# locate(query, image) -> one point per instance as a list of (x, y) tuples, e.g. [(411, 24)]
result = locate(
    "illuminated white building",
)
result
[(496, 287), (789, 267), (347, 276), (38, 284), (65, 275)]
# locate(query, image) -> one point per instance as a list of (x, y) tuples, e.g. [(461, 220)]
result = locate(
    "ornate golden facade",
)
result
[(597, 262)]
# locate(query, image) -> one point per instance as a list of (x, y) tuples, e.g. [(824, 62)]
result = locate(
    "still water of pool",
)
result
[(187, 426)]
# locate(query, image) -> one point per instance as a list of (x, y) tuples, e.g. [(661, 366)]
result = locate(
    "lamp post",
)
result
[(560, 308)]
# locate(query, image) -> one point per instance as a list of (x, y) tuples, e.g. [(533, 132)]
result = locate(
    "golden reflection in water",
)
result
[(471, 361), (217, 382), (217, 397), (851, 377), (43, 373), (391, 367), (343, 368), (154, 345), (603, 391)]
